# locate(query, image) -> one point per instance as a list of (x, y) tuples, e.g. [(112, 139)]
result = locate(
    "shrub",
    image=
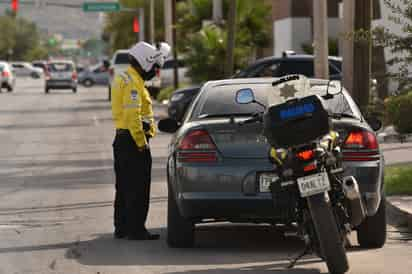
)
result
[(165, 93), (399, 112)]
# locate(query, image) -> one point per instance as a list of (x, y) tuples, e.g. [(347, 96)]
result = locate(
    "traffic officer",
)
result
[(134, 123)]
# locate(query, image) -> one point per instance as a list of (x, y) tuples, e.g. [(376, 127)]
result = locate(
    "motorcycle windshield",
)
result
[(299, 87)]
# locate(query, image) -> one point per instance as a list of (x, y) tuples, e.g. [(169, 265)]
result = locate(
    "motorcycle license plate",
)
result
[(265, 180), (313, 184)]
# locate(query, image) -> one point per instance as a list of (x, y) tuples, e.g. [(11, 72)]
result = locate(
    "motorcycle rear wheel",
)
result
[(329, 239)]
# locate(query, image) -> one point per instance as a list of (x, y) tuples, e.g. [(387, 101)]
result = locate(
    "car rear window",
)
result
[(122, 58), (220, 100), (60, 67)]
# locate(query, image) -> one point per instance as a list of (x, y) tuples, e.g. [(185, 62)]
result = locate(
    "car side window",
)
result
[(297, 67), (269, 70), (333, 70)]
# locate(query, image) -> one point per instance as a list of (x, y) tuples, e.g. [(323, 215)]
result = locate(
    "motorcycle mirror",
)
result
[(334, 88), (245, 96)]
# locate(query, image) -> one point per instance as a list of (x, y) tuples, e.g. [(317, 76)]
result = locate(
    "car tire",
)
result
[(9, 89), (88, 83), (46, 90), (74, 90), (372, 231), (35, 75), (180, 231), (109, 94)]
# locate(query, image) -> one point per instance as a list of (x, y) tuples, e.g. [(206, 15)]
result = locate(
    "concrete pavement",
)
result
[(56, 192)]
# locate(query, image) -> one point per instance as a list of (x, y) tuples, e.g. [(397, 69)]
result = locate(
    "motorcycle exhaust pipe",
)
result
[(352, 194)]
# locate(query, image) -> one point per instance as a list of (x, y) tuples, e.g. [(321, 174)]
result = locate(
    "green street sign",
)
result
[(101, 7)]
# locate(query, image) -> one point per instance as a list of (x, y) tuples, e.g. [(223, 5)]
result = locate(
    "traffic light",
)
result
[(15, 6), (136, 27)]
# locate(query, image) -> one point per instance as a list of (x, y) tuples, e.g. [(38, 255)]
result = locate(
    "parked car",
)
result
[(119, 64), (214, 164), (8, 80), (180, 101), (97, 74), (289, 63), (61, 75), (24, 69), (167, 72), (41, 65)]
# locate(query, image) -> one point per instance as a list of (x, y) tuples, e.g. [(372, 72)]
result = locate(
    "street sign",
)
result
[(101, 6)]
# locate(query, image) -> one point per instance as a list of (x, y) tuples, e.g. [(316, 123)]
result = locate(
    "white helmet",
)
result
[(148, 55)]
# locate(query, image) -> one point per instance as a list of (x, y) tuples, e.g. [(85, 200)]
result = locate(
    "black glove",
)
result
[(146, 126)]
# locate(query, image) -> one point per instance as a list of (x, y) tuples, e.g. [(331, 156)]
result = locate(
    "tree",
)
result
[(399, 44), (204, 45), (118, 30), (20, 39)]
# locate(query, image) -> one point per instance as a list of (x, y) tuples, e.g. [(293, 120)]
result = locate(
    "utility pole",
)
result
[(168, 21), (152, 22), (174, 47), (231, 24), (347, 43), (217, 11), (320, 35), (362, 54), (141, 24)]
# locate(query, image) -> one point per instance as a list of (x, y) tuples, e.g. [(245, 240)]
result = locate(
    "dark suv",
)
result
[(289, 64), (266, 67)]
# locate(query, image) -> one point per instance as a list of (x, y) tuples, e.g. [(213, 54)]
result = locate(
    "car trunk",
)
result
[(234, 141)]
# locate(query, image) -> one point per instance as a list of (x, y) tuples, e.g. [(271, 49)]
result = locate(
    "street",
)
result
[(56, 196)]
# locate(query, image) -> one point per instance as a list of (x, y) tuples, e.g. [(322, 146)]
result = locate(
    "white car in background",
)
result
[(119, 64), (167, 72), (7, 79), (24, 69)]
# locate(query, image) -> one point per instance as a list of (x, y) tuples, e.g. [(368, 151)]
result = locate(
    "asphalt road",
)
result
[(56, 192)]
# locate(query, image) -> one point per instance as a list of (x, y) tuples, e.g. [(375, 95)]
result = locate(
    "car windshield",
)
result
[(60, 67), (219, 101)]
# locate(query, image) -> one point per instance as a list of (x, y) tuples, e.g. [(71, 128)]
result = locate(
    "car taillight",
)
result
[(5, 74), (74, 76), (111, 72), (197, 147), (305, 155), (158, 72), (361, 145)]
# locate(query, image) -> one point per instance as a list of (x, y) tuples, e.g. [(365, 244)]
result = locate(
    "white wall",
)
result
[(394, 28), (291, 33)]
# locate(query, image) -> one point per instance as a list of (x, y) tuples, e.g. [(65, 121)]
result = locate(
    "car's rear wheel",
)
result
[(74, 90), (9, 89), (372, 231), (180, 231), (46, 90), (88, 83)]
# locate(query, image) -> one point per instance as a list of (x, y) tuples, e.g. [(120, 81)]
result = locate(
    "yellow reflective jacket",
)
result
[(131, 105)]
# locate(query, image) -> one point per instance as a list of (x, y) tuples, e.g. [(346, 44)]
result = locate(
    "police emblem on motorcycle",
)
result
[(288, 91), (134, 95)]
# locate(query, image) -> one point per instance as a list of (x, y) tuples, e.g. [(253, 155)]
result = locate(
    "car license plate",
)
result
[(265, 180), (313, 184)]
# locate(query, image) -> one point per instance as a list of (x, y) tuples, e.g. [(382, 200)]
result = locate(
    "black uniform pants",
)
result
[(133, 176)]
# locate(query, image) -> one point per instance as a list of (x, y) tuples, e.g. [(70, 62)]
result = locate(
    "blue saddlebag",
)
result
[(296, 122)]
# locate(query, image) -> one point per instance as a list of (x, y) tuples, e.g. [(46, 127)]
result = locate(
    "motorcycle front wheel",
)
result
[(329, 239)]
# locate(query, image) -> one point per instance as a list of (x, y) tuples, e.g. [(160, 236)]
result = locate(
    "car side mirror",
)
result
[(245, 96), (168, 125), (375, 123)]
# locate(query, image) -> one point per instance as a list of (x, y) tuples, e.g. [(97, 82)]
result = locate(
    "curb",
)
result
[(398, 217)]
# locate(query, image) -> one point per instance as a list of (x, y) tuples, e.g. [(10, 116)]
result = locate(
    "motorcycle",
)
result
[(310, 189)]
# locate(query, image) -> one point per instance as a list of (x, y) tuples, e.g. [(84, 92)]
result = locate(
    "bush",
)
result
[(165, 93), (398, 111)]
